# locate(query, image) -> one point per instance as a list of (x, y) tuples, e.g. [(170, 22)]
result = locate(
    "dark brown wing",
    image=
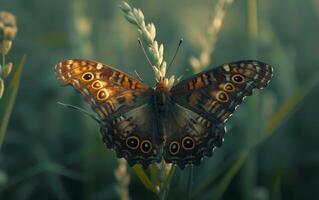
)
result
[(122, 103), (133, 135), (204, 102), (217, 92), (189, 136)]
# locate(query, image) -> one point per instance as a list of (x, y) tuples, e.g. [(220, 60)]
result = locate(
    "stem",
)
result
[(162, 195), (165, 185), (214, 27), (190, 182), (250, 167), (80, 27), (3, 64), (252, 20)]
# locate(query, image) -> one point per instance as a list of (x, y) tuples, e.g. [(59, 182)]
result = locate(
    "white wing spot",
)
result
[(86, 91), (69, 62), (99, 66), (226, 68), (215, 108), (63, 78), (58, 66), (93, 101), (227, 77), (76, 82), (257, 68)]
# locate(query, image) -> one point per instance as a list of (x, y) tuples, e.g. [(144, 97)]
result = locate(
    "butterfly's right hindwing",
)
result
[(133, 135)]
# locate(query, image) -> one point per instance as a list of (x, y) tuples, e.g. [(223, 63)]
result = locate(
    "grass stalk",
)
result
[(227, 178), (159, 182), (7, 103), (8, 31), (147, 33), (190, 182), (123, 179), (80, 37), (249, 171), (208, 46)]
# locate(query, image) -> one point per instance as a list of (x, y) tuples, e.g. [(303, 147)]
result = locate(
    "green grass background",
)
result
[(271, 149)]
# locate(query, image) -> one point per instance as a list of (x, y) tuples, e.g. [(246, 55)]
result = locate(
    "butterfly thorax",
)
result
[(162, 95)]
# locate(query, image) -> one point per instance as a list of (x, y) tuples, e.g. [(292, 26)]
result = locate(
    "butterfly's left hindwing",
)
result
[(122, 103), (189, 137)]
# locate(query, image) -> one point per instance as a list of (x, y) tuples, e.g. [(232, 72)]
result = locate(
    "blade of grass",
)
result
[(288, 107), (144, 178), (23, 176), (226, 180), (279, 117), (46, 167), (154, 174), (190, 182), (282, 112), (60, 170), (276, 191), (166, 184), (218, 172), (250, 167), (6, 104), (57, 186)]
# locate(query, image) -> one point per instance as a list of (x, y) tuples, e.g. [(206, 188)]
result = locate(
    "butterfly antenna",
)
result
[(80, 110), (179, 79), (175, 54), (138, 76), (145, 54)]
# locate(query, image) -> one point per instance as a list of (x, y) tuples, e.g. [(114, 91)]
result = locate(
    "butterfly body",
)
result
[(181, 124)]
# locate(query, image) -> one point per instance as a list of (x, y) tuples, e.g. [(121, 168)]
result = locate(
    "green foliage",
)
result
[(144, 178), (270, 149), (7, 102)]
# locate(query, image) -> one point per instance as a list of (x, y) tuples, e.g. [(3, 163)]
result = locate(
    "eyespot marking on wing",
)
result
[(188, 143), (146, 146), (102, 94), (174, 148)]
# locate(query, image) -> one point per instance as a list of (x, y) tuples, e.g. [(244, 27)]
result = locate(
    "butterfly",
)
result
[(181, 124)]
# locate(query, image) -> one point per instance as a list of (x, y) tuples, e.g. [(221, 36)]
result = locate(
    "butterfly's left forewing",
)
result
[(122, 103), (203, 103), (216, 93)]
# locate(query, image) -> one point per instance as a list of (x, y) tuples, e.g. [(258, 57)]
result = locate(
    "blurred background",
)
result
[(271, 149)]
